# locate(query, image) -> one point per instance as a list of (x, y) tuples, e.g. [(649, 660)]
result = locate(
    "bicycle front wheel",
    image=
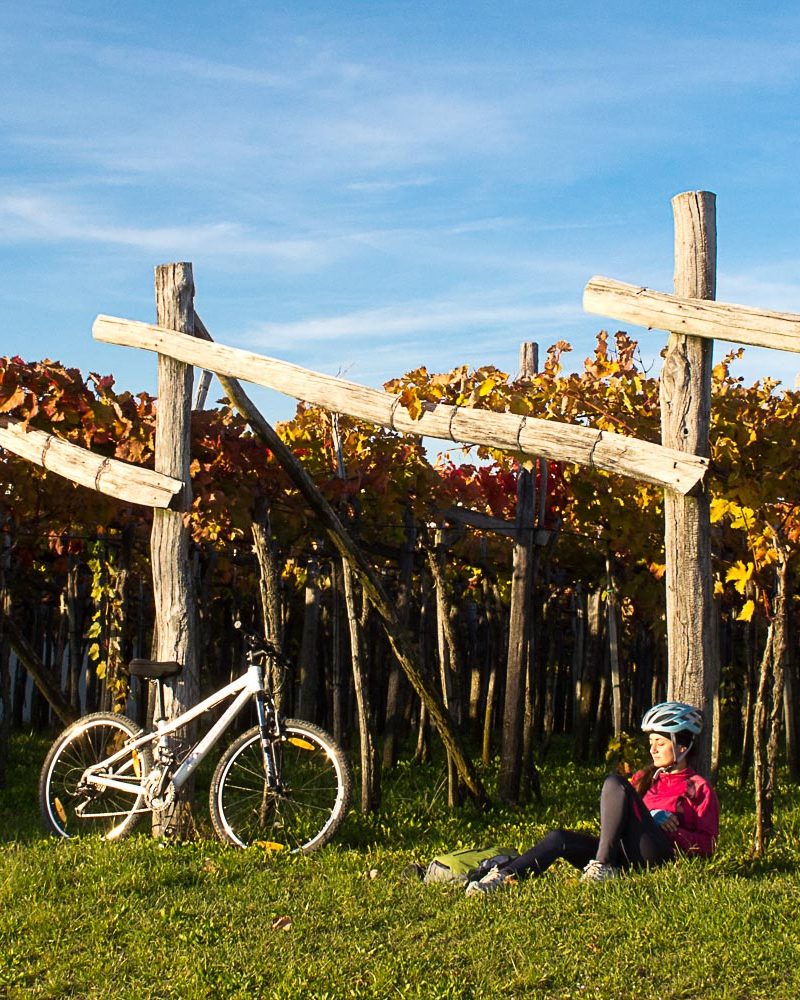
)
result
[(72, 806), (314, 790)]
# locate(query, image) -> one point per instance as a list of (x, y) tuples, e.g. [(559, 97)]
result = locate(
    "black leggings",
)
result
[(629, 837)]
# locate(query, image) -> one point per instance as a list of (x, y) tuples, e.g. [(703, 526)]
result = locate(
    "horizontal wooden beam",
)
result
[(485, 522), (129, 483), (476, 519), (529, 436), (697, 317)]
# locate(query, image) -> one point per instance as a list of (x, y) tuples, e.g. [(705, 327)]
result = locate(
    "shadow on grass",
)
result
[(19, 800), (415, 820)]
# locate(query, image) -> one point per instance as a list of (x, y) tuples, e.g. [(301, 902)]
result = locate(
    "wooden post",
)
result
[(685, 420), (308, 660), (396, 693), (613, 649), (175, 630), (370, 764), (5, 658), (445, 643), (519, 628)]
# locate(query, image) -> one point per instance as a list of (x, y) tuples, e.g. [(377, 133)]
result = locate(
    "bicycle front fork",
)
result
[(267, 728)]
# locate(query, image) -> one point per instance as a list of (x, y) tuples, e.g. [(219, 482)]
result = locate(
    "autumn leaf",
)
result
[(719, 508), (743, 518), (746, 614), (13, 400), (739, 574), (412, 402)]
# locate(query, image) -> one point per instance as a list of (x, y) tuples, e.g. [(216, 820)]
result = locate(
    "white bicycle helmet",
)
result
[(671, 717)]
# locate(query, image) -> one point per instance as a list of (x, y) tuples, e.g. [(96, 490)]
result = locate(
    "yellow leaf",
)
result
[(746, 614), (718, 588), (743, 518), (486, 386), (412, 403), (740, 573), (719, 508)]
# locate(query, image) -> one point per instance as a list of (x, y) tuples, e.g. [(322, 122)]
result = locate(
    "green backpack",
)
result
[(467, 865)]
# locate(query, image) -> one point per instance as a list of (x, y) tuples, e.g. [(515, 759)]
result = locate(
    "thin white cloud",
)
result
[(318, 68), (26, 217), (420, 317), (172, 63), (390, 184), (406, 128), (770, 286)]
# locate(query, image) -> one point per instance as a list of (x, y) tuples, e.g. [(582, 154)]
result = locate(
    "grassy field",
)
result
[(140, 919)]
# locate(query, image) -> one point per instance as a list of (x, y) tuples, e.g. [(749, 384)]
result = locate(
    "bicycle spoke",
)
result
[(314, 784), (71, 805)]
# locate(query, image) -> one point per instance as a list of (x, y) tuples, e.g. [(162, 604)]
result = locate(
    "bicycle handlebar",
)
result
[(258, 645)]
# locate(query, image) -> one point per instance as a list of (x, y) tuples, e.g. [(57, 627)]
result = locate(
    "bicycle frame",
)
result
[(250, 684)]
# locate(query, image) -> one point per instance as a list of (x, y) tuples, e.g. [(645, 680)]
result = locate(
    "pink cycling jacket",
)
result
[(694, 801)]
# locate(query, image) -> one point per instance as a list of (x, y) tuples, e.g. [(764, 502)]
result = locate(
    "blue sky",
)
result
[(369, 187)]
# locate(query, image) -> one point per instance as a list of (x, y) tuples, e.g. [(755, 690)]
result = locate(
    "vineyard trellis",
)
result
[(683, 477)]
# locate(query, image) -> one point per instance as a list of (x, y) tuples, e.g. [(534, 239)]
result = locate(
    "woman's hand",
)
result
[(670, 823)]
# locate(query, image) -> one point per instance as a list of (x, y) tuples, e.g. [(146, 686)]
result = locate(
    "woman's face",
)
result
[(661, 750)]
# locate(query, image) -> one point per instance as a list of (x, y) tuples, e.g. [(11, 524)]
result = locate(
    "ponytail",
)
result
[(645, 779)]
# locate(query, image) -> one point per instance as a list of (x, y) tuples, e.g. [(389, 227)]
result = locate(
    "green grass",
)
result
[(139, 919)]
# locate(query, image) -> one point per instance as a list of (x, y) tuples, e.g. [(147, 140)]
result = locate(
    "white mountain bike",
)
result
[(285, 784)]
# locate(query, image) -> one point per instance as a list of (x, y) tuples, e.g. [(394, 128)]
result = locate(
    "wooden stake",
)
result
[(173, 589), (685, 420), (519, 627), (370, 764)]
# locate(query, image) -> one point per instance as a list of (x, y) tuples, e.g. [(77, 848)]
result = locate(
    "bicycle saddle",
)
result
[(154, 670)]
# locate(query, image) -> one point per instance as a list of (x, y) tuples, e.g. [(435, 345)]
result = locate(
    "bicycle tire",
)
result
[(303, 817), (109, 812)]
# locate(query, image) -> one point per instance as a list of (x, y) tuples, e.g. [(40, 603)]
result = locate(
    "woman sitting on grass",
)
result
[(663, 809)]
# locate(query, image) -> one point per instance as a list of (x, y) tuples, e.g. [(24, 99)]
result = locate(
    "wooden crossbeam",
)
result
[(697, 317), (529, 436), (485, 522), (129, 483)]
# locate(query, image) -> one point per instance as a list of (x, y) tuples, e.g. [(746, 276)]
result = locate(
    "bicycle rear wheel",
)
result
[(315, 782), (71, 807)]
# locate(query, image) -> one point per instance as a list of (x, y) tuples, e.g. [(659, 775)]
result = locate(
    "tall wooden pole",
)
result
[(685, 421), (519, 627), (175, 630), (370, 763)]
